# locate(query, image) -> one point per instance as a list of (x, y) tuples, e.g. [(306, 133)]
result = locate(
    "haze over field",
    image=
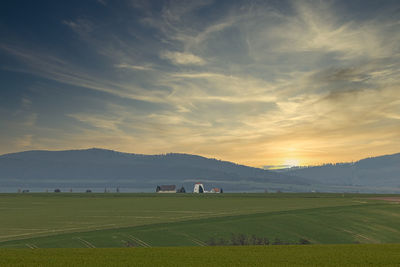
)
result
[(253, 82)]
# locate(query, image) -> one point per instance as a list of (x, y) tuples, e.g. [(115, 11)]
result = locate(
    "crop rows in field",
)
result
[(196, 221), (31, 215)]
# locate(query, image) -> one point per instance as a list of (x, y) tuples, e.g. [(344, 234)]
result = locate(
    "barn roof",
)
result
[(167, 187)]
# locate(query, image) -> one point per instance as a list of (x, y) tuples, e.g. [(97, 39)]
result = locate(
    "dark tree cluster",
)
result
[(253, 240)]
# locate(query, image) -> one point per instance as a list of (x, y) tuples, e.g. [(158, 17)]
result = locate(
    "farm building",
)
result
[(181, 190), (166, 189), (216, 190), (198, 188)]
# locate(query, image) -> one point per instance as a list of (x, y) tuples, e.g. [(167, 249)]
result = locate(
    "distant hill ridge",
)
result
[(373, 172), (101, 168), (108, 168)]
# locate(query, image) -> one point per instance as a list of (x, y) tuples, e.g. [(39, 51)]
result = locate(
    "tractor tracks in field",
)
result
[(358, 235), (199, 242), (49, 232), (138, 241), (195, 240), (227, 217), (30, 245), (85, 242)]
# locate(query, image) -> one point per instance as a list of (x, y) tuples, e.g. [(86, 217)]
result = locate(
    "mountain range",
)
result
[(100, 169)]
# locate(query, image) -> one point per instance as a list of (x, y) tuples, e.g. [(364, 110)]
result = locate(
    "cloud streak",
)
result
[(182, 58), (133, 67)]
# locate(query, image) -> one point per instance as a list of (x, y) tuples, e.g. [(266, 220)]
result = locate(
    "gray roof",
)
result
[(167, 187)]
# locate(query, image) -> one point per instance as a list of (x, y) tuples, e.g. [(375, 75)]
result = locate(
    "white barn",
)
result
[(198, 188)]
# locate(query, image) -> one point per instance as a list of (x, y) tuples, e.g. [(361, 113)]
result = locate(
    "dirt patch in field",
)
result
[(389, 199)]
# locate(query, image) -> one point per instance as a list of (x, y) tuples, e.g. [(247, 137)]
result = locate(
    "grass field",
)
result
[(307, 255), (150, 220)]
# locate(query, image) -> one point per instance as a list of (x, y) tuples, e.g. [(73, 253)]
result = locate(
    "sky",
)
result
[(254, 82)]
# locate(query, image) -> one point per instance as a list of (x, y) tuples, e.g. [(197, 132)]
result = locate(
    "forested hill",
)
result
[(99, 168), (376, 173)]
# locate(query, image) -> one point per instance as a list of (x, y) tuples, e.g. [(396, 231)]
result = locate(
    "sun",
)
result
[(291, 162)]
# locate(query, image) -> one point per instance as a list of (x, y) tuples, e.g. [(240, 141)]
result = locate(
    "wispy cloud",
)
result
[(132, 67), (60, 70), (182, 58), (103, 2), (80, 26), (24, 142)]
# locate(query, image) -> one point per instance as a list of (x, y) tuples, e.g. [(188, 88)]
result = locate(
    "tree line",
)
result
[(252, 240)]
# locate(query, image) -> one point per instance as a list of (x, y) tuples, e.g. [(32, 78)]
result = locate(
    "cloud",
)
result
[(26, 103), (182, 58), (102, 2), (24, 142), (80, 26), (197, 75), (108, 123), (60, 70), (318, 28), (133, 67)]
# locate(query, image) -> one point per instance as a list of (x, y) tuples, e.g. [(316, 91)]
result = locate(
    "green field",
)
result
[(310, 255), (150, 220)]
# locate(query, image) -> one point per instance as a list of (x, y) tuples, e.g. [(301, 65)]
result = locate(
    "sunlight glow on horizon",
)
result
[(291, 162)]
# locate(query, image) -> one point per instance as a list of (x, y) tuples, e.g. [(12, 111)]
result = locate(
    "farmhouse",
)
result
[(216, 190), (198, 188), (166, 189)]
